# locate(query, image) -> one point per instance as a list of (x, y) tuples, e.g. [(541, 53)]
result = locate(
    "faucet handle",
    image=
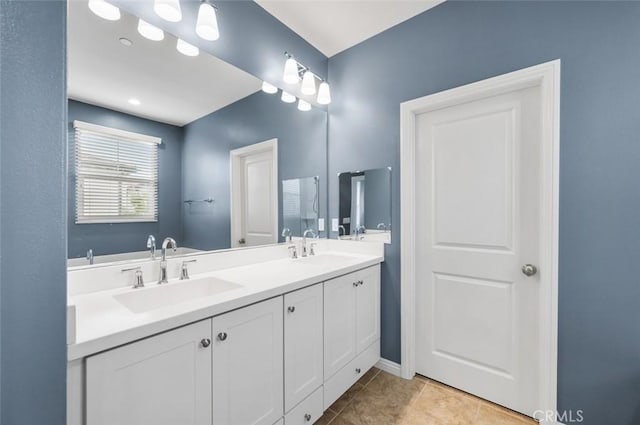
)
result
[(312, 246), (139, 279), (294, 251), (184, 270)]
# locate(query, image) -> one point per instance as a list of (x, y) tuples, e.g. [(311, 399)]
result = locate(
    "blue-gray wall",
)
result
[(127, 237), (377, 197), (32, 213), (256, 118), (460, 42)]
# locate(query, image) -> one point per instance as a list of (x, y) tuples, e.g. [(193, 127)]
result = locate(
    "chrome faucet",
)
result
[(286, 232), (344, 231), (90, 256), (381, 226), (304, 240), (358, 232), (184, 270), (167, 243), (139, 280), (151, 246)]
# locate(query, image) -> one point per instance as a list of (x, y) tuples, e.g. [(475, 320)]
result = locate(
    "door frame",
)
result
[(546, 76), (235, 206)]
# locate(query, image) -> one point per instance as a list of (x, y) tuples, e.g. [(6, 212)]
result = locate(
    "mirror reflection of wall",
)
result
[(200, 108), (364, 208), (300, 205)]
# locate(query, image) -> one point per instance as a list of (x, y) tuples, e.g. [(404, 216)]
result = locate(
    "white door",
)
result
[(254, 195), (478, 209), (303, 366), (248, 365), (367, 308), (339, 323), (162, 380)]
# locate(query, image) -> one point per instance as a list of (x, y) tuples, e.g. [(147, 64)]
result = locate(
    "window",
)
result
[(116, 175)]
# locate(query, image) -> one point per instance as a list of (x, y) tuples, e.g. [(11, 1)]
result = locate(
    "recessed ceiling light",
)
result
[(134, 101), (126, 42)]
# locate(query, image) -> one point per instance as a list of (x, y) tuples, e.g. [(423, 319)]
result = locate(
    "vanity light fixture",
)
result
[(287, 97), (303, 105), (149, 31), (186, 48), (104, 10), (207, 23), (169, 10), (308, 83), (293, 70), (269, 88), (324, 93)]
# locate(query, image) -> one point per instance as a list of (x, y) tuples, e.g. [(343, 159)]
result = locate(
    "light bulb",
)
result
[(149, 31), (207, 24), (287, 97), (324, 93), (304, 105), (269, 88), (186, 48), (290, 75), (104, 10), (169, 10), (308, 84)]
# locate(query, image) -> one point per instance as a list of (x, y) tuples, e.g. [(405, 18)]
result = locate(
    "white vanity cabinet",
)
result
[(161, 380), (351, 329), (303, 368), (247, 365)]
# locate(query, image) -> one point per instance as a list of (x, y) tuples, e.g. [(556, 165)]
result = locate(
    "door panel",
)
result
[(248, 366), (367, 308), (478, 203), (162, 380), (339, 323), (258, 202)]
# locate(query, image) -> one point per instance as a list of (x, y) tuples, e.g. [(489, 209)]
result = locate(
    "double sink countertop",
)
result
[(109, 318)]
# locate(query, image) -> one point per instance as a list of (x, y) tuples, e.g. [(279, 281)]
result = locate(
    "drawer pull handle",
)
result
[(307, 417), (358, 370), (291, 309), (222, 336), (205, 342)]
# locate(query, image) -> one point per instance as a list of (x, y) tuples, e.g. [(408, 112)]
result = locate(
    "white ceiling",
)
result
[(332, 26), (171, 87)]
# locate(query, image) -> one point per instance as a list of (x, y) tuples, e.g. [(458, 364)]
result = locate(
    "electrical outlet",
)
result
[(334, 224), (321, 225)]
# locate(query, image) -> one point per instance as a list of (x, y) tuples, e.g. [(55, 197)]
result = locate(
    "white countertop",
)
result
[(101, 322)]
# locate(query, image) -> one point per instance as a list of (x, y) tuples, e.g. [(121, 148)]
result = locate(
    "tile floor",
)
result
[(379, 398)]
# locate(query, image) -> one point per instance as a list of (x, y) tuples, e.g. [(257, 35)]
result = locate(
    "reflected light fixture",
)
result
[(134, 101), (169, 10), (207, 23), (290, 75), (287, 97), (308, 83), (186, 48), (269, 88), (149, 31), (104, 10), (304, 105), (324, 93)]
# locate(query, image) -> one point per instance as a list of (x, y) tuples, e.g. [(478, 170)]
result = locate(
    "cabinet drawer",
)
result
[(339, 383), (307, 412)]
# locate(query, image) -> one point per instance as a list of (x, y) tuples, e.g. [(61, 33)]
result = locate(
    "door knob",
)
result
[(529, 269), (222, 336)]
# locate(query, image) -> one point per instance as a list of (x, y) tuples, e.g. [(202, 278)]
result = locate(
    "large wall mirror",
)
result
[(169, 141)]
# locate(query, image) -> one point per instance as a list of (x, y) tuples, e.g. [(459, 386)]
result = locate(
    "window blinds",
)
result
[(116, 175)]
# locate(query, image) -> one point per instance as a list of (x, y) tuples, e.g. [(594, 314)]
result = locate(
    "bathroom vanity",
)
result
[(253, 337)]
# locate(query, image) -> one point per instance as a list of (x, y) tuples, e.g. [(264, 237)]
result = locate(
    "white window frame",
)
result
[(125, 137)]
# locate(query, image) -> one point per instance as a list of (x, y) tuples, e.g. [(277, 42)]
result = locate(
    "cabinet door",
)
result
[(339, 323), (303, 367), (162, 380), (367, 308), (248, 365)]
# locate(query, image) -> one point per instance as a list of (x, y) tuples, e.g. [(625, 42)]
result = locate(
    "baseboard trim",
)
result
[(389, 367)]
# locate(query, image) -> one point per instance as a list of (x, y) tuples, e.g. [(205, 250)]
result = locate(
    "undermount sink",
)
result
[(326, 260), (143, 300)]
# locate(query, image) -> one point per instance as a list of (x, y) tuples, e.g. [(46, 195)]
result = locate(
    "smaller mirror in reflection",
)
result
[(300, 206), (365, 205)]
